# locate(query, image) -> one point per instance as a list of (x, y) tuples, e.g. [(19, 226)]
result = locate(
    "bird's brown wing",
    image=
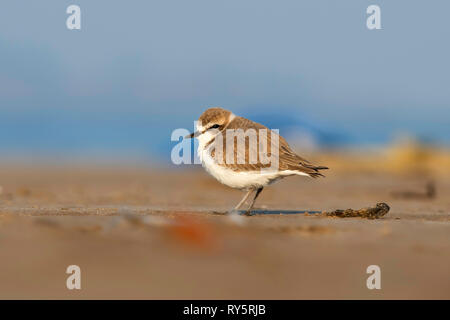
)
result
[(287, 159)]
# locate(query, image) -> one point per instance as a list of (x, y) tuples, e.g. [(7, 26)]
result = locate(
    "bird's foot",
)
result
[(248, 213)]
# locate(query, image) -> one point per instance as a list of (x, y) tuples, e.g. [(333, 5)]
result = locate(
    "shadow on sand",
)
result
[(261, 211)]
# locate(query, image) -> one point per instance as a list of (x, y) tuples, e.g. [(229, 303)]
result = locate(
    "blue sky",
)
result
[(139, 69)]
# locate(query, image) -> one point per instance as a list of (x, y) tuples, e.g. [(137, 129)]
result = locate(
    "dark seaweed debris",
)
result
[(380, 210)]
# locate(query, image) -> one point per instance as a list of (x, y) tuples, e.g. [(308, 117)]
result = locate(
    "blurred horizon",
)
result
[(135, 72)]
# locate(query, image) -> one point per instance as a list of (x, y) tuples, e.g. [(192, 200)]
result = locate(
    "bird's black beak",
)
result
[(193, 135)]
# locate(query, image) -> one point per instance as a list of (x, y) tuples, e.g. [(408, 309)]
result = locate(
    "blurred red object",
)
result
[(193, 232)]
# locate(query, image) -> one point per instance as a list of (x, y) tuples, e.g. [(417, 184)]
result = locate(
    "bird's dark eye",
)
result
[(215, 126)]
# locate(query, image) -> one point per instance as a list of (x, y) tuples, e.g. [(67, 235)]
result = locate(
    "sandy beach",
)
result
[(107, 106), (140, 233)]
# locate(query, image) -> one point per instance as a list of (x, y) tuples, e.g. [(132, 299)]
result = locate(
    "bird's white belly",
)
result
[(235, 179), (239, 180)]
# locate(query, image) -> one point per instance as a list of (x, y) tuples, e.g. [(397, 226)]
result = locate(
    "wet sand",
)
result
[(160, 234)]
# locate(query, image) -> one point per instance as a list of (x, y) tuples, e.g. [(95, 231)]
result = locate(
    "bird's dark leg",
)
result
[(258, 191)]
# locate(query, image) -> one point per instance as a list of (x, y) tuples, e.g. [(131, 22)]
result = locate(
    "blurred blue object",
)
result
[(135, 72)]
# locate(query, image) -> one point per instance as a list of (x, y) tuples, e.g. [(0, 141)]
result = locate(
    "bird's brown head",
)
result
[(215, 116), (212, 118)]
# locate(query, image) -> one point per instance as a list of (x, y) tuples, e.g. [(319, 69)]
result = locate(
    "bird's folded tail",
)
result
[(312, 170)]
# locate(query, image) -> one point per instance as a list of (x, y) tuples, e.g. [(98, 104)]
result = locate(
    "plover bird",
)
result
[(246, 155)]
